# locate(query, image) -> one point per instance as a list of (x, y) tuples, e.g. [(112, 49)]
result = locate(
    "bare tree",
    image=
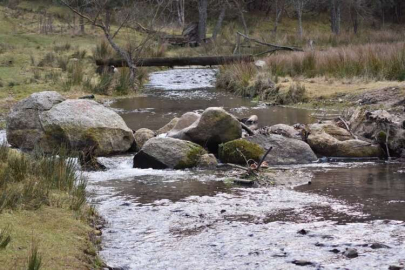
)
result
[(220, 21), (96, 18), (279, 9), (202, 20), (299, 6), (181, 13), (335, 15)]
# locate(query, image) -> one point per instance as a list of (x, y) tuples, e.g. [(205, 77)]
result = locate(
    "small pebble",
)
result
[(378, 245)]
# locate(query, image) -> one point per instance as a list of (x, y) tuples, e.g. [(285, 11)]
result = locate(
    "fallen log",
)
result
[(179, 61)]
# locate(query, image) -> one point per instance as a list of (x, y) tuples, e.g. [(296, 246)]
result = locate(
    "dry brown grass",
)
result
[(372, 61)]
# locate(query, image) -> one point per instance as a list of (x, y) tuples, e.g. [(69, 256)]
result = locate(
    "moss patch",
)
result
[(192, 158), (237, 150)]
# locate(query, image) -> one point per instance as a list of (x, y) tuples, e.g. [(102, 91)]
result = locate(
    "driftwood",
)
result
[(247, 129), (179, 61)]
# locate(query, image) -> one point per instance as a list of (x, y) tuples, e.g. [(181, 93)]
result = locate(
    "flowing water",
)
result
[(166, 219)]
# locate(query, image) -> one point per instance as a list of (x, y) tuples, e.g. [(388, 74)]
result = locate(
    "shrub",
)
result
[(61, 48), (76, 72)]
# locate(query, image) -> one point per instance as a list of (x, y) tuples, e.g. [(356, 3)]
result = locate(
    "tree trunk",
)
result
[(82, 30), (219, 22), (299, 9), (125, 55), (279, 13), (181, 13), (202, 20), (335, 17), (108, 18)]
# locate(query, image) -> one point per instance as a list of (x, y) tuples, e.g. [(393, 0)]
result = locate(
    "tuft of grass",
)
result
[(79, 54), (34, 258), (103, 51), (26, 181), (76, 72), (237, 78), (104, 84), (5, 237), (124, 83), (62, 48), (48, 60)]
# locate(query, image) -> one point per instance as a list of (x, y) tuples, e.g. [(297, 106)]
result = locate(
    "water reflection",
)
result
[(379, 188)]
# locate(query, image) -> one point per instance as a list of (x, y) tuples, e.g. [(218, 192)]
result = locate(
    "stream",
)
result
[(195, 219)]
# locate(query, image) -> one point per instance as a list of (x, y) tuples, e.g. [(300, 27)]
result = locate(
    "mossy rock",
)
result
[(228, 152)]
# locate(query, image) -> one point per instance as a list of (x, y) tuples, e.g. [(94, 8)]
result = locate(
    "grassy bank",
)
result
[(44, 218), (299, 77)]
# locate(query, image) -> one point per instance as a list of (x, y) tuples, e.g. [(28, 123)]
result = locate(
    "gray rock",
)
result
[(214, 127), (326, 145), (142, 136), (329, 127), (374, 126), (351, 253), (207, 161), (285, 130), (24, 128), (285, 151), (185, 121), (169, 126), (162, 153), (82, 123)]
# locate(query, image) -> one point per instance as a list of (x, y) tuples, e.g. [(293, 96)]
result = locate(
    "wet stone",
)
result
[(303, 232), (351, 253), (395, 267), (336, 251), (302, 263), (378, 246)]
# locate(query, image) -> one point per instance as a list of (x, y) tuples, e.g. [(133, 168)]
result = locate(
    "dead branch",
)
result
[(247, 129), (347, 127), (264, 157), (287, 48)]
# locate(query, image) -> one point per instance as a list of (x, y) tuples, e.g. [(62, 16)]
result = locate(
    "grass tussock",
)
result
[(5, 237), (34, 259), (371, 61), (28, 181)]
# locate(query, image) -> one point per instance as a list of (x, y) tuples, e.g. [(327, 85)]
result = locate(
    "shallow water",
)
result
[(164, 219), (165, 100)]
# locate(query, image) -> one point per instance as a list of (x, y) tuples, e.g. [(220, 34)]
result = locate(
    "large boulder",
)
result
[(326, 145), (239, 151), (24, 128), (142, 136), (215, 126), (82, 123), (47, 121), (286, 151), (162, 153), (380, 127)]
